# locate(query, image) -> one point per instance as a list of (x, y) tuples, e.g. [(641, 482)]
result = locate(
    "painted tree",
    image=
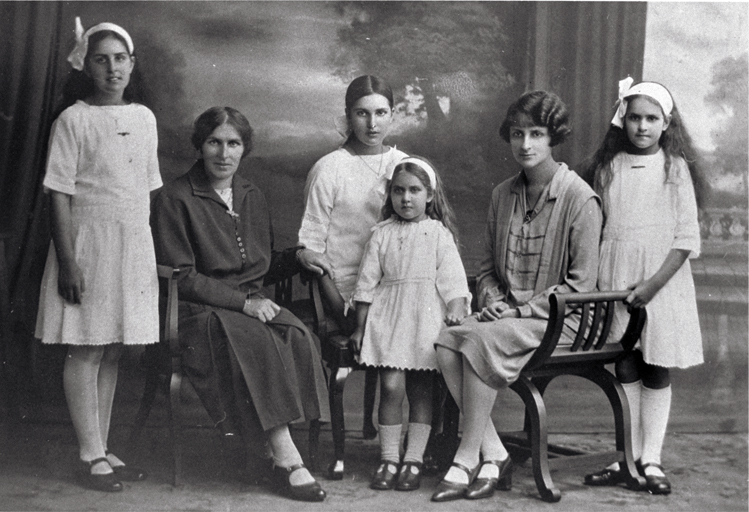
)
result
[(729, 97), (450, 54)]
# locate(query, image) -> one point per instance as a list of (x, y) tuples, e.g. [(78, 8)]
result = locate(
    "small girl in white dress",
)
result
[(647, 176), (411, 283), (100, 290)]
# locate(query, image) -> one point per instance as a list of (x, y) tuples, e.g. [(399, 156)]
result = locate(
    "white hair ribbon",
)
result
[(650, 89), (425, 167), (78, 55)]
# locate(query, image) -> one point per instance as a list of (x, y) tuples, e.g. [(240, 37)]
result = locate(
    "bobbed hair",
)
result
[(543, 109), (438, 208), (215, 117)]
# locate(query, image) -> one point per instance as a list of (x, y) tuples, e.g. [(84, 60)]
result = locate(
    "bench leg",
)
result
[(622, 421), (535, 411), (338, 376)]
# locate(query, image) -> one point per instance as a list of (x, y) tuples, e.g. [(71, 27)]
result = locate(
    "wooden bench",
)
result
[(587, 357)]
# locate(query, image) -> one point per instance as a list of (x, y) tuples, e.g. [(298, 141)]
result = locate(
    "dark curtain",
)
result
[(30, 33), (581, 50)]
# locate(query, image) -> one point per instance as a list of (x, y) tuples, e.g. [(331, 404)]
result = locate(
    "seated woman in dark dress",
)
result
[(247, 357)]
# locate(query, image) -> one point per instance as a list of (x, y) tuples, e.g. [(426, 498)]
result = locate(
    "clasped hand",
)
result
[(261, 308), (497, 311)]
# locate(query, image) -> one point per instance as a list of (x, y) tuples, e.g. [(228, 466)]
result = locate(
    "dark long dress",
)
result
[(265, 374)]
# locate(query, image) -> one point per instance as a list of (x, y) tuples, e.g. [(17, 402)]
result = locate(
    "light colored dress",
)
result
[(344, 195), (105, 158), (410, 271), (646, 217)]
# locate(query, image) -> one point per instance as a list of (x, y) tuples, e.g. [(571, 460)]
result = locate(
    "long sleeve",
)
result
[(170, 223), (488, 285), (319, 200), (582, 270)]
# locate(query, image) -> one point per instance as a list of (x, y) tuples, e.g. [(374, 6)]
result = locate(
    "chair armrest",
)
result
[(586, 339)]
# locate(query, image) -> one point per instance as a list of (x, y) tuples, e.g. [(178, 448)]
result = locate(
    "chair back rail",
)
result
[(171, 316)]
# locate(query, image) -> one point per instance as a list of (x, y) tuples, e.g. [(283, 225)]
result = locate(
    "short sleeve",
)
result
[(687, 232), (62, 159), (451, 275), (154, 176), (370, 270)]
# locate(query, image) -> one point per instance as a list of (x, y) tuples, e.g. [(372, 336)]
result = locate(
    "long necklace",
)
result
[(379, 168)]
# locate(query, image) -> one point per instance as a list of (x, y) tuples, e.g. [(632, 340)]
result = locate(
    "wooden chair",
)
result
[(586, 357), (164, 360), (164, 369), (340, 361)]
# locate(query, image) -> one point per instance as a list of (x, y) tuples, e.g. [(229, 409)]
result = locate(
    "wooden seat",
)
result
[(164, 369), (586, 357)]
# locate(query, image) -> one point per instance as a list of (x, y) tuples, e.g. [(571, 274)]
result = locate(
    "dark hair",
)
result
[(438, 208), (80, 86), (675, 142), (364, 86), (543, 109), (215, 117)]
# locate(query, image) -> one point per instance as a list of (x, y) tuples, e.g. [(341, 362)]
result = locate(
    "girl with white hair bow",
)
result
[(100, 290)]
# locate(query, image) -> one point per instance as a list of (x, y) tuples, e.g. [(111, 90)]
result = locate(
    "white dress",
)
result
[(409, 272), (343, 198), (105, 158), (647, 216)]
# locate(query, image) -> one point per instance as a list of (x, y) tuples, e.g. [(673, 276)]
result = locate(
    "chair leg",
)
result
[(146, 404), (175, 426), (314, 444), (622, 421), (338, 377), (536, 413)]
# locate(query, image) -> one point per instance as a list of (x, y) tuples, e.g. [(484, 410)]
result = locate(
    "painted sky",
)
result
[(682, 43)]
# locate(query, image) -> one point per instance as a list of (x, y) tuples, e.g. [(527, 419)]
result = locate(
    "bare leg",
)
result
[(80, 381), (370, 391)]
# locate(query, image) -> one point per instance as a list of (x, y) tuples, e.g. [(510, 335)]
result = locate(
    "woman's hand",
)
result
[(70, 283), (642, 293), (261, 308), (314, 262), (494, 311), (356, 340), (456, 310)]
